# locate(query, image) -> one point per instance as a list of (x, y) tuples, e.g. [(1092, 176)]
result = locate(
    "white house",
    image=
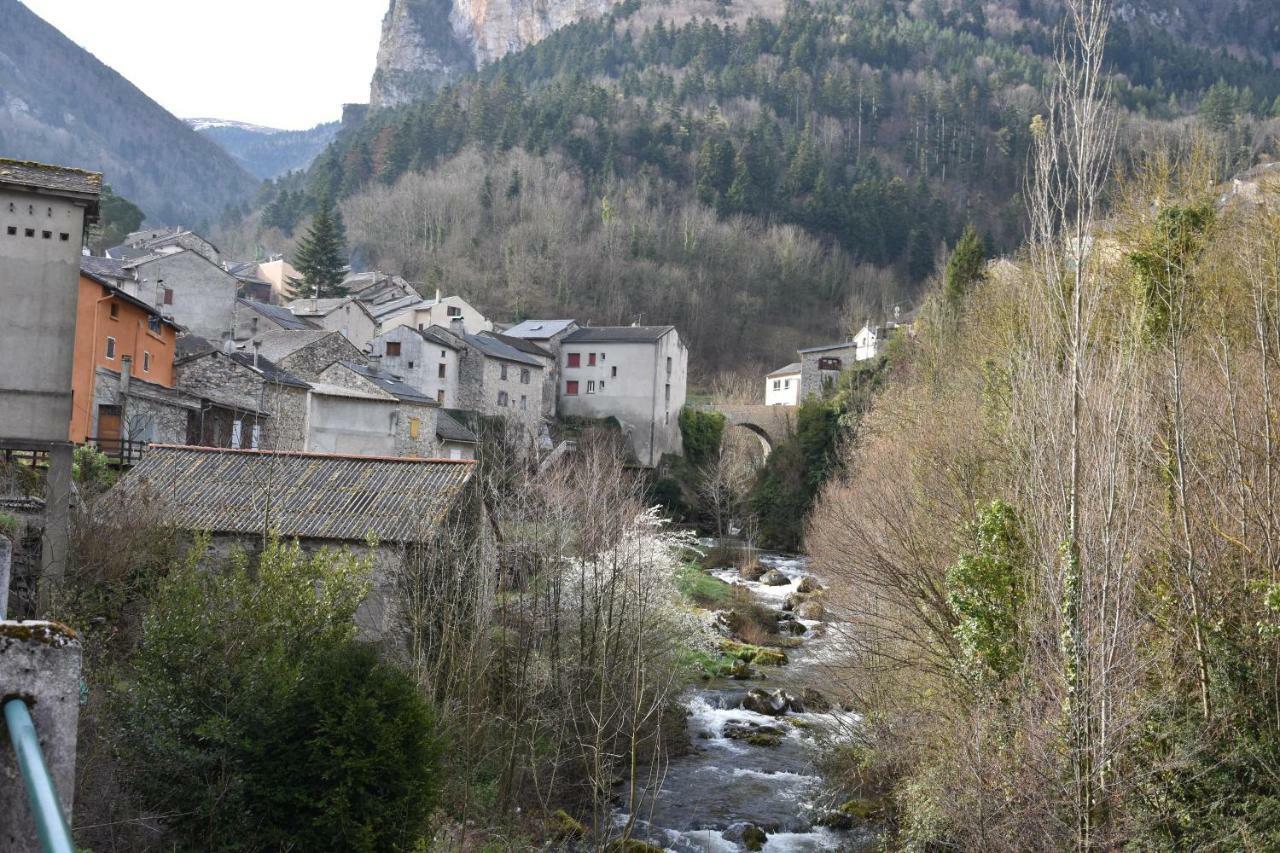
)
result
[(635, 374), (426, 358), (782, 386), (424, 313)]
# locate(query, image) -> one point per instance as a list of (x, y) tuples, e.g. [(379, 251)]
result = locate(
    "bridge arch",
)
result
[(766, 441), (770, 424)]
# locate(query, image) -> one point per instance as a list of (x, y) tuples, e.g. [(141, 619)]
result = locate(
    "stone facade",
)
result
[(309, 361), (424, 362), (506, 389), (149, 413), (820, 366), (234, 390)]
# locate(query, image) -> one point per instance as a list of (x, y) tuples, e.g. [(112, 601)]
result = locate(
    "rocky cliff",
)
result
[(429, 43)]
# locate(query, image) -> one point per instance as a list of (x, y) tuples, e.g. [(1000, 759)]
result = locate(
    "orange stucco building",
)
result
[(110, 326)]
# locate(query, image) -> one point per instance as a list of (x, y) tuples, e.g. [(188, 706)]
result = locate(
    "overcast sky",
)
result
[(280, 63)]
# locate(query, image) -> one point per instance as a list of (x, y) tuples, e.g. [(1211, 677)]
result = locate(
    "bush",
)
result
[(701, 433), (251, 718)]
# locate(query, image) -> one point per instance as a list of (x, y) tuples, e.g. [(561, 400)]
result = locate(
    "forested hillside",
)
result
[(267, 152), (877, 128), (58, 104)]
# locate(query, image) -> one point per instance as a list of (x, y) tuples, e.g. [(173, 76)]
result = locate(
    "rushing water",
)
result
[(726, 782)]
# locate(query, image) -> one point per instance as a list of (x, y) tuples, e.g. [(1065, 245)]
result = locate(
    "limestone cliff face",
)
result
[(429, 43)]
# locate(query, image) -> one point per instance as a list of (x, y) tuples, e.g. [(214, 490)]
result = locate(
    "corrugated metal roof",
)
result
[(616, 334), (302, 495)]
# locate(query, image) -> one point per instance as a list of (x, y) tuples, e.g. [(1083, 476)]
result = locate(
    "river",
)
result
[(706, 798)]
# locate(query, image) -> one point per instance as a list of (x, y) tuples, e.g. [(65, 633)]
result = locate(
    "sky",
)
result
[(279, 63)]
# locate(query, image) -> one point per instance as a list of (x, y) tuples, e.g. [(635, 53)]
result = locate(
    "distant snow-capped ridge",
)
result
[(206, 123)]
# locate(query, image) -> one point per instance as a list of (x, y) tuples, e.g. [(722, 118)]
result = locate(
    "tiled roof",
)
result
[(616, 334), (495, 348), (302, 495), (449, 429), (278, 314), (155, 392), (793, 367), (538, 330), (57, 179), (520, 343), (310, 307), (390, 383)]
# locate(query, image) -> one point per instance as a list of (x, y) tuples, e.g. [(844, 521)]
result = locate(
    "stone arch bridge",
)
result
[(770, 424)]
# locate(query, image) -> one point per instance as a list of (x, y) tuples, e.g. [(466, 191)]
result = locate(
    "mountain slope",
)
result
[(59, 104), (266, 152)]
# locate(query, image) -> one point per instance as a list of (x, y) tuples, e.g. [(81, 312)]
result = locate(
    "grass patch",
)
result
[(701, 588), (702, 664)]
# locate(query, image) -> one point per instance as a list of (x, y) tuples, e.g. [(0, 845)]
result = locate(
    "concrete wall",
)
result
[(783, 390), (437, 314), (352, 321), (419, 364), (352, 425), (39, 286), (204, 294), (639, 391), (415, 427)]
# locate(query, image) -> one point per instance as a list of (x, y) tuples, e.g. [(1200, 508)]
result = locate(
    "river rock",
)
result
[(741, 670), (808, 583), (748, 835), (770, 703), (752, 571), (792, 627), (815, 701), (811, 610), (753, 733), (773, 577)]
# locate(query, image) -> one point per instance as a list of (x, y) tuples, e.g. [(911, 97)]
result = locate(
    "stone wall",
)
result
[(480, 380), (309, 361), (812, 379)]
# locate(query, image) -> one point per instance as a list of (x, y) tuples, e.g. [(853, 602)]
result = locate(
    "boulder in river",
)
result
[(815, 701), (811, 610), (752, 571), (808, 583), (792, 627), (753, 733), (773, 703), (773, 577), (748, 835)]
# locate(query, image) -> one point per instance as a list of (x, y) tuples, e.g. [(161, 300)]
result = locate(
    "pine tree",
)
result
[(965, 267), (321, 254)]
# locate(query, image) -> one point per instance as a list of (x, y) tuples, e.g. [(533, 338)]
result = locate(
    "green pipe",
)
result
[(51, 826)]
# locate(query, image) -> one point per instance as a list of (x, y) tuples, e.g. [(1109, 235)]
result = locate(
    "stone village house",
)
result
[(401, 514)]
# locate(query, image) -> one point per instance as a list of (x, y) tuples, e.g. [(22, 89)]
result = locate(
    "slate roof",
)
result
[(793, 367), (390, 383), (495, 348), (301, 495), (271, 372), (449, 429), (825, 347), (56, 179), (521, 344), (616, 334), (308, 307), (538, 330), (163, 394), (104, 267), (278, 314), (437, 335), (398, 306), (329, 389)]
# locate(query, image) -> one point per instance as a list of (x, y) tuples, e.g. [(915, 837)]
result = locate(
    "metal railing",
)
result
[(118, 450), (46, 811)]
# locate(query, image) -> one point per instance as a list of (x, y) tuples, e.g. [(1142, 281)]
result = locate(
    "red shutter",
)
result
[(571, 387), (575, 359), (591, 360)]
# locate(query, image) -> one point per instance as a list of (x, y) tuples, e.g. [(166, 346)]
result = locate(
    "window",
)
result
[(601, 386), (601, 358), (13, 230), (524, 401), (591, 386), (64, 236), (393, 348), (668, 365), (47, 235), (111, 348), (524, 376), (574, 360), (455, 452), (777, 384), (571, 388), (668, 394), (787, 384), (237, 432), (442, 353), (421, 327), (114, 311), (168, 296), (502, 399), (440, 371), (454, 311), (591, 359), (30, 232), (503, 373), (440, 396), (255, 438), (146, 362), (613, 372), (411, 365), (153, 323)]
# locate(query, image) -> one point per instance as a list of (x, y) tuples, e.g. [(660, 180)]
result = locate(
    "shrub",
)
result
[(701, 433)]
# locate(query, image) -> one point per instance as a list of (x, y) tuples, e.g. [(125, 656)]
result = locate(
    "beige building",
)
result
[(345, 315)]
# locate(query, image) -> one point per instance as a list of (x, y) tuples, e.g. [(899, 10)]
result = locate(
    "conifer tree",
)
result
[(964, 267), (321, 254)]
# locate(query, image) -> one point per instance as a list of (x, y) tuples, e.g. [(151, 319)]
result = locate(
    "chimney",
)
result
[(455, 325), (257, 347), (126, 372), (437, 294), (228, 343)]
